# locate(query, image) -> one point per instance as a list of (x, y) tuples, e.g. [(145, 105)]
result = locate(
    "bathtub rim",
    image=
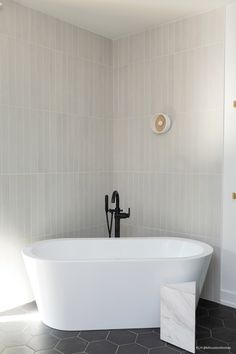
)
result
[(207, 250)]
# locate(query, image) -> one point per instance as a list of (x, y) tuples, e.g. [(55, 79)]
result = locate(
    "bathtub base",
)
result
[(95, 302), (107, 296)]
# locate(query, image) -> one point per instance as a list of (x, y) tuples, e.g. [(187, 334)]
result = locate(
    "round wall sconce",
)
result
[(161, 123)]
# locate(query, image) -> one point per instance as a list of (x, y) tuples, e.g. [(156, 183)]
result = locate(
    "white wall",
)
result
[(173, 183), (228, 283), (55, 136), (57, 112)]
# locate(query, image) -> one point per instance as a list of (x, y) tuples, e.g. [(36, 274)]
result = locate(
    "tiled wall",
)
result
[(55, 130), (172, 182), (57, 117)]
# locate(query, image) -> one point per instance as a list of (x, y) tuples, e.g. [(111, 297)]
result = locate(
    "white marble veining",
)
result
[(178, 307)]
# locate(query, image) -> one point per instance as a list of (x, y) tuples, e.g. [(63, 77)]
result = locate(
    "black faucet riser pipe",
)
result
[(117, 212)]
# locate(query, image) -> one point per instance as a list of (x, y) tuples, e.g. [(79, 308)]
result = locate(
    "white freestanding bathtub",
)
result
[(101, 283)]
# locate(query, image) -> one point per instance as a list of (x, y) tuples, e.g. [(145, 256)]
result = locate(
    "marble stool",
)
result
[(178, 315)]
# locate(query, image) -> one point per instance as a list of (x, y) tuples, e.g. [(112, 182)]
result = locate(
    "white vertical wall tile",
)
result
[(83, 88), (23, 74), (135, 146), (172, 182), (8, 18), (215, 77), (23, 22), (97, 91), (122, 91), (58, 143), (108, 92), (202, 30), (136, 87), (98, 49), (7, 69), (59, 86), (84, 44), (120, 145), (64, 37), (137, 47), (41, 77), (42, 29), (215, 26), (121, 52), (56, 107), (4, 122), (160, 41), (158, 84), (108, 52)]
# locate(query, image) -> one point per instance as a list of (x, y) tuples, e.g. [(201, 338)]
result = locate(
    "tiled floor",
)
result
[(19, 334)]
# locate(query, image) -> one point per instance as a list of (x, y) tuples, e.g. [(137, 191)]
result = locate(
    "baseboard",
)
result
[(228, 298)]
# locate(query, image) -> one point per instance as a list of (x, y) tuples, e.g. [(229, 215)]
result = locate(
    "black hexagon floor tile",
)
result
[(212, 346), (201, 312), (64, 334), (39, 328), (202, 332), (221, 313), (133, 348), (210, 322), (101, 347), (233, 347), (171, 346), (42, 342), (91, 336), (208, 304), (121, 336), (224, 334), (216, 325), (49, 351), (18, 350), (15, 338), (164, 350), (230, 323), (71, 345), (13, 326), (141, 330), (156, 330), (150, 340)]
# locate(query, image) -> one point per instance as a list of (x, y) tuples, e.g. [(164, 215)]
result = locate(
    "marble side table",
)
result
[(178, 315)]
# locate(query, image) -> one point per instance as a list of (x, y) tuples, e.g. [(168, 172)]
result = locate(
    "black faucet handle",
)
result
[(106, 203), (124, 215)]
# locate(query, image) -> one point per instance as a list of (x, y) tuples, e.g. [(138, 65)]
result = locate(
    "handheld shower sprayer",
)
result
[(117, 213), (107, 210)]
